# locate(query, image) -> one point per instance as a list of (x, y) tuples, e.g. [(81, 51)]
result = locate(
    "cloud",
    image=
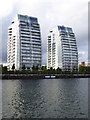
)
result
[(83, 56), (50, 13), (6, 7), (5, 22), (82, 53)]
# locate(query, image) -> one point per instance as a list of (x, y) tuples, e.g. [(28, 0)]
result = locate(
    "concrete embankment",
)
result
[(42, 76)]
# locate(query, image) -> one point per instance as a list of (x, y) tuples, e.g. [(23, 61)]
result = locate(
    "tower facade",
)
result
[(62, 49), (24, 43)]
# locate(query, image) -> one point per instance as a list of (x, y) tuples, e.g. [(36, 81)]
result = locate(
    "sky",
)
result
[(50, 13)]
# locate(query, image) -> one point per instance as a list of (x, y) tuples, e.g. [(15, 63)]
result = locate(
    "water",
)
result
[(47, 98), (0, 99)]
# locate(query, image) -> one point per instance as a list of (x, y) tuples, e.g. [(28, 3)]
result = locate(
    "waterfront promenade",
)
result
[(42, 76)]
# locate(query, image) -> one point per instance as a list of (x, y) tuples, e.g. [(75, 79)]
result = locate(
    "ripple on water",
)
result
[(46, 98)]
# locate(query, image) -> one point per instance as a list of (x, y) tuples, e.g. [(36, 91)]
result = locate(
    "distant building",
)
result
[(62, 49), (24, 43), (87, 63), (82, 63)]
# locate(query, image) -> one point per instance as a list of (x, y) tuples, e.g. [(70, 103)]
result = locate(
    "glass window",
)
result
[(32, 19)]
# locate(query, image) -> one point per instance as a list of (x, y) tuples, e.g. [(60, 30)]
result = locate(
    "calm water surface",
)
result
[(47, 98), (0, 99)]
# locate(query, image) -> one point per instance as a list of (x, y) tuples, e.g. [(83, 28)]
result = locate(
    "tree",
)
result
[(59, 69), (36, 67), (13, 67), (88, 69), (33, 68), (23, 67), (4, 69), (51, 68), (82, 69), (43, 68), (1, 66)]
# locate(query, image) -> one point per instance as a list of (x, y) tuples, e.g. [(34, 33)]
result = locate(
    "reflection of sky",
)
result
[(64, 94), (11, 97), (50, 13), (45, 98)]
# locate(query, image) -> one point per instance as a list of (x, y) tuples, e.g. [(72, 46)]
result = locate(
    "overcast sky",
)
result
[(50, 13)]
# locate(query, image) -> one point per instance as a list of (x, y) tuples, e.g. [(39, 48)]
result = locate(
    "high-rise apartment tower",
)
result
[(24, 43), (62, 49)]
